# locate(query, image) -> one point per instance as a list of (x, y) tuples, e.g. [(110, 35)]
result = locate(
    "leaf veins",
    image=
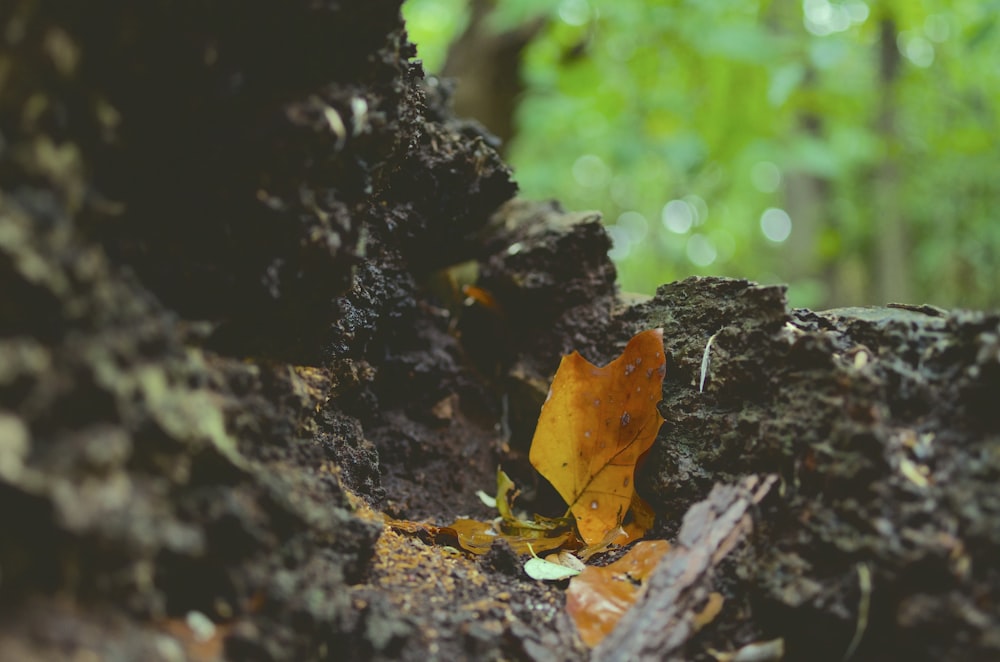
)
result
[(595, 426)]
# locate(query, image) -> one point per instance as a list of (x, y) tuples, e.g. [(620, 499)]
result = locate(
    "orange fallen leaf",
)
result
[(424, 530), (595, 426), (597, 598), (477, 537), (542, 533), (471, 535), (483, 297)]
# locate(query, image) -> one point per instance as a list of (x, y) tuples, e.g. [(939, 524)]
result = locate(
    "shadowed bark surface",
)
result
[(232, 337)]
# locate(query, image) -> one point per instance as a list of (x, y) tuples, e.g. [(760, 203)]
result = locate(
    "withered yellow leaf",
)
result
[(597, 598), (477, 537), (472, 536), (540, 534), (594, 427)]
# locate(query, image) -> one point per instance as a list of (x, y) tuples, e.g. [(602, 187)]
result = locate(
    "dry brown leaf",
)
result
[(595, 426), (524, 544), (472, 535), (597, 598), (477, 537), (542, 533)]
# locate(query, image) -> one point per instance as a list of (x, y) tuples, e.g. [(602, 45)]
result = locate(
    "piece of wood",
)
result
[(666, 617)]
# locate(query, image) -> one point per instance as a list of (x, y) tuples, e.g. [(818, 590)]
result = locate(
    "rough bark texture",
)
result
[(231, 337)]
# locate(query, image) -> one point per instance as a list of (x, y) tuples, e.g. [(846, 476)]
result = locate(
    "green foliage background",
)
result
[(684, 122)]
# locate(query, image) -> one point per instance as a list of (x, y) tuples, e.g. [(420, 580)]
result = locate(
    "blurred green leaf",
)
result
[(717, 99)]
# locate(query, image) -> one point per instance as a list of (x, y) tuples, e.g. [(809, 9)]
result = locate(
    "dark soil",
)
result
[(233, 337)]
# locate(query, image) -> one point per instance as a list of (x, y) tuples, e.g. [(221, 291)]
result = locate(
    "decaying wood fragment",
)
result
[(666, 617)]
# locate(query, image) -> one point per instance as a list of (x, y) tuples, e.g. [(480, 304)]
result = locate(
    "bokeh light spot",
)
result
[(678, 216), (776, 224), (766, 177), (590, 172), (574, 12), (916, 48), (635, 225), (700, 250)]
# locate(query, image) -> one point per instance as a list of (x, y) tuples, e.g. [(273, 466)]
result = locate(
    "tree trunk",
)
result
[(892, 269), (486, 65)]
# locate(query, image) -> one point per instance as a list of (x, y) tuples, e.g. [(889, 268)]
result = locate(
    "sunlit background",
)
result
[(850, 149)]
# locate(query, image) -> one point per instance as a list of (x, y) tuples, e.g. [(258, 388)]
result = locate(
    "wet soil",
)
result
[(233, 338)]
